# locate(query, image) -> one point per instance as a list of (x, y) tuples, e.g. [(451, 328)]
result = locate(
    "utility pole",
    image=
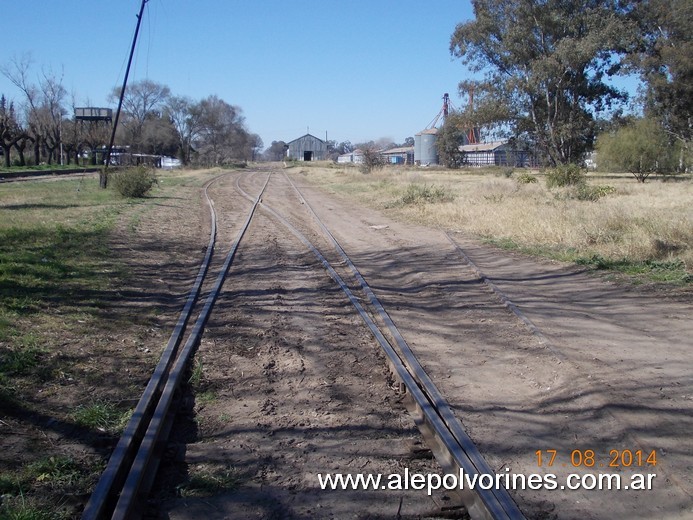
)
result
[(103, 178)]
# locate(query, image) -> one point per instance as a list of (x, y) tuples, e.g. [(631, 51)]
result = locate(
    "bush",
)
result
[(526, 178), (372, 160), (422, 194), (565, 175), (134, 182), (593, 193)]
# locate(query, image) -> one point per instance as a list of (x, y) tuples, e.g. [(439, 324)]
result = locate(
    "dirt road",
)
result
[(294, 384)]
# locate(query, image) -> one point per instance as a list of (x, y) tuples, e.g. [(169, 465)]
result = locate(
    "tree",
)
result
[(255, 146), (159, 136), (10, 131), (43, 110), (372, 158), (185, 118), (641, 148), (222, 137), (17, 71), (276, 151), (51, 112), (142, 99), (665, 59), (451, 136), (544, 65)]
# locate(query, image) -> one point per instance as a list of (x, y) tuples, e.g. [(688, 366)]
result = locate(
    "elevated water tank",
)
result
[(425, 147)]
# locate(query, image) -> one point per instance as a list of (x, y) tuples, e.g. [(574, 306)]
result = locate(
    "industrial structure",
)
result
[(476, 153), (426, 141), (307, 148), (401, 155), (496, 153)]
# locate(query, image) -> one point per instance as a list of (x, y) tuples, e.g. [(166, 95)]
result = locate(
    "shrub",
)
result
[(593, 193), (526, 178), (372, 160), (422, 193), (134, 182), (565, 175)]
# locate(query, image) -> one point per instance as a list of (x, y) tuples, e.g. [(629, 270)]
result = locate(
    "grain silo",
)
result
[(426, 147)]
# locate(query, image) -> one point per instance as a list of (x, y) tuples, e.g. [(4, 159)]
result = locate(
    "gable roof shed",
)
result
[(307, 148)]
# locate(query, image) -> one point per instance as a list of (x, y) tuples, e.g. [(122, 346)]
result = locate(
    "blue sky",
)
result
[(358, 70)]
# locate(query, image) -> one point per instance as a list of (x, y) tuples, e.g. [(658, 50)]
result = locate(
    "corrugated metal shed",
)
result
[(307, 148), (498, 153), (401, 155)]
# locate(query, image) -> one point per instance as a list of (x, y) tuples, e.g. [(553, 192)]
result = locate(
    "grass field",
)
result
[(644, 230), (62, 328)]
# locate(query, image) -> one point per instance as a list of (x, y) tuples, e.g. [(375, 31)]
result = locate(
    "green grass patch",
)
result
[(102, 416), (25, 492), (21, 508), (204, 481), (669, 272), (673, 272), (54, 253), (56, 270), (196, 373)]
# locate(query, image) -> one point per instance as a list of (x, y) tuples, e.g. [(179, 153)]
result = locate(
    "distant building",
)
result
[(497, 153), (355, 157), (307, 148), (401, 155)]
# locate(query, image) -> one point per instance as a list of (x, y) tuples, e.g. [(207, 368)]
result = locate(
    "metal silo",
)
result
[(428, 149), (417, 148)]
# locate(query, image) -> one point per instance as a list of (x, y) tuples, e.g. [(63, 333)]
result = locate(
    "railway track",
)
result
[(132, 466)]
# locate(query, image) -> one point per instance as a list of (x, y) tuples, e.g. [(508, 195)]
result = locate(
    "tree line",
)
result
[(43, 127), (543, 72)]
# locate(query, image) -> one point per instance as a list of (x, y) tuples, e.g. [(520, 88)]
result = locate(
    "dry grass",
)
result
[(649, 223)]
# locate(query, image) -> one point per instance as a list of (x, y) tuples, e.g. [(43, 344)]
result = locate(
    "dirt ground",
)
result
[(610, 370), (291, 384)]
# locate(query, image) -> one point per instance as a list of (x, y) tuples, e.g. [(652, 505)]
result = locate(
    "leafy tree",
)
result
[(222, 137), (665, 59), (641, 148), (276, 151), (544, 64), (159, 136), (255, 146), (344, 147), (451, 136)]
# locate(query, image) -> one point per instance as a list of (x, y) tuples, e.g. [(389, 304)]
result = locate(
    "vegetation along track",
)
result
[(133, 464)]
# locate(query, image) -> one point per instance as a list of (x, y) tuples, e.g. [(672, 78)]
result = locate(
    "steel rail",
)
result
[(507, 302), (102, 497), (454, 449), (127, 502)]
